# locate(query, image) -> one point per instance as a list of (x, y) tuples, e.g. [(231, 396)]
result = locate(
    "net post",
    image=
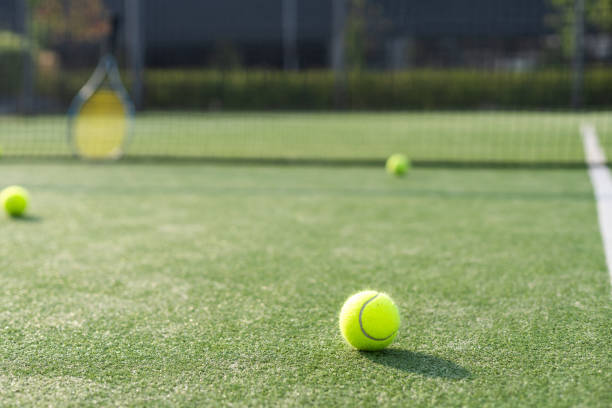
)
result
[(578, 55), (27, 88), (290, 24), (135, 48), (337, 51)]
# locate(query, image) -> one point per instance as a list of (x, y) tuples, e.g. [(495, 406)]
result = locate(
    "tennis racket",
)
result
[(100, 115)]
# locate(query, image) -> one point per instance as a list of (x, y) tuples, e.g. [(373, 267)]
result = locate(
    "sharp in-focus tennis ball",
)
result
[(14, 199), (397, 164), (369, 320)]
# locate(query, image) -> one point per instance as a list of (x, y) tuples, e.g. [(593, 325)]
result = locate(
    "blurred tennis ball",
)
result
[(15, 200), (397, 164), (369, 320)]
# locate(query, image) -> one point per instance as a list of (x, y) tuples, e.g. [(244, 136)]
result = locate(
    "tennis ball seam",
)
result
[(361, 322)]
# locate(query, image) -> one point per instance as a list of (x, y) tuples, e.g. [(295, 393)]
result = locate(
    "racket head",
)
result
[(101, 115)]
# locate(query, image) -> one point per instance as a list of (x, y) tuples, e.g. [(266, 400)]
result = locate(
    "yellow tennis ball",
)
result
[(397, 164), (369, 320), (15, 200)]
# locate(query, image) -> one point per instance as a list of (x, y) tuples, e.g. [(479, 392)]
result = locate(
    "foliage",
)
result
[(355, 35), (11, 62), (226, 55), (55, 21), (10, 41), (600, 14), (364, 25), (417, 89), (597, 13), (314, 90)]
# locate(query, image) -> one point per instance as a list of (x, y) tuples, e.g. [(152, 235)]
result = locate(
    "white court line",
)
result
[(602, 186)]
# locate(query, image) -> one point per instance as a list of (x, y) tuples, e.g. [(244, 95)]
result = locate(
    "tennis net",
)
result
[(480, 81)]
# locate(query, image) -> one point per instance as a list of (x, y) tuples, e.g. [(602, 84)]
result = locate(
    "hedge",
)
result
[(11, 63), (418, 89), (315, 90)]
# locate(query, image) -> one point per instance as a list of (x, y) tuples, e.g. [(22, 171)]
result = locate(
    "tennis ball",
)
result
[(369, 320), (14, 199), (397, 164)]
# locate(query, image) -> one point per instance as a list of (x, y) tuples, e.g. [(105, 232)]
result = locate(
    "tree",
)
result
[(365, 25), (55, 21), (598, 13)]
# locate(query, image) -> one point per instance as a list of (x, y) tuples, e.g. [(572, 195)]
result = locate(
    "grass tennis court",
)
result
[(454, 136), (175, 284), (306, 203)]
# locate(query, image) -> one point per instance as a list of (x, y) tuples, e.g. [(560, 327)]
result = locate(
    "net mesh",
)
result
[(478, 81)]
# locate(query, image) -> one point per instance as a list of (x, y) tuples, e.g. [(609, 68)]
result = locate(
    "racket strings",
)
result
[(101, 126)]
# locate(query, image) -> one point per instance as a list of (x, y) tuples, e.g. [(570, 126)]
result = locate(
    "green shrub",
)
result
[(417, 89), (11, 62), (598, 88), (238, 89), (315, 90)]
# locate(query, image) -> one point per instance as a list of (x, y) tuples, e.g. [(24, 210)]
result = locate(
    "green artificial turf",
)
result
[(161, 285), (423, 136)]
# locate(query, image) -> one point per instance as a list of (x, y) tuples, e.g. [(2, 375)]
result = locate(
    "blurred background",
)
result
[(475, 81)]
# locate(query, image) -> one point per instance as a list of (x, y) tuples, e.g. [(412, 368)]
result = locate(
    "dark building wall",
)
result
[(196, 22), (8, 15), (196, 31), (467, 17), (193, 31)]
